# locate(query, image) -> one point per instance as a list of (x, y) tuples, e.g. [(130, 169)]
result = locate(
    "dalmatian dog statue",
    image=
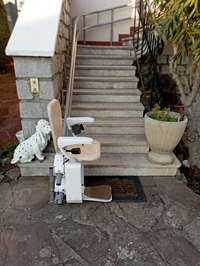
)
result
[(33, 146)]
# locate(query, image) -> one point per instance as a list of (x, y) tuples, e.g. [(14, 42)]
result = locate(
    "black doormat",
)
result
[(124, 188)]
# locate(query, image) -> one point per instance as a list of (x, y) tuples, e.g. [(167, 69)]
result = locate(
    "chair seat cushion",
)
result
[(89, 152)]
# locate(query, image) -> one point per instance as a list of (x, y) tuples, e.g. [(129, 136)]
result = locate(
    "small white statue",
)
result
[(33, 146)]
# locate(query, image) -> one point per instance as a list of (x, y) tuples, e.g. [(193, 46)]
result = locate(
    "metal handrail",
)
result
[(68, 102), (107, 23), (112, 9), (70, 86), (107, 9)]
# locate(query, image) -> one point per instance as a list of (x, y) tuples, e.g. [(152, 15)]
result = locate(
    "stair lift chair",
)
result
[(68, 168)]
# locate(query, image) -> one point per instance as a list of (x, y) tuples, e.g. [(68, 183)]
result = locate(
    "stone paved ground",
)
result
[(163, 231)]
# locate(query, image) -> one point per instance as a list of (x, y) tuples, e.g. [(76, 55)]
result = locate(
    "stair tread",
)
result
[(108, 165), (117, 121), (104, 47), (120, 57), (129, 160), (102, 79), (123, 92), (108, 106), (118, 140), (105, 67)]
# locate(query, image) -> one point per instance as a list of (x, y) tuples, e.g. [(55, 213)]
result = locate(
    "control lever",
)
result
[(76, 129)]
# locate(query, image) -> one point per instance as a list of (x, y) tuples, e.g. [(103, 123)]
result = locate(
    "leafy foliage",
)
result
[(179, 22), (7, 152), (4, 34), (163, 115)]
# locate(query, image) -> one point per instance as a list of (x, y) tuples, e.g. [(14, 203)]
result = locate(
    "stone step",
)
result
[(110, 129), (107, 91), (107, 109), (105, 60), (116, 126), (115, 121), (104, 50), (106, 95), (108, 165), (86, 82), (105, 71), (37, 168), (129, 164), (121, 143)]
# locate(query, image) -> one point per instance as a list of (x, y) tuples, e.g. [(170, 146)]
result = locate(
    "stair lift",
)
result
[(67, 175)]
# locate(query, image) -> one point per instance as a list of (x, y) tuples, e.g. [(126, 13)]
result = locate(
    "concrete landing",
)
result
[(164, 231)]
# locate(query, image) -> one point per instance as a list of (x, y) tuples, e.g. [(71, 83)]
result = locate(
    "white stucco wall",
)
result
[(102, 34)]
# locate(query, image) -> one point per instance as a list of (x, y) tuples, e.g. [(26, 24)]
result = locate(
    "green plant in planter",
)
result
[(163, 115)]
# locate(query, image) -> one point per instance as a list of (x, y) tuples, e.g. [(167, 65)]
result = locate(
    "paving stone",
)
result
[(141, 215), (177, 217), (27, 245), (174, 248), (6, 198), (13, 173), (121, 245), (85, 240), (31, 193), (175, 192), (192, 232)]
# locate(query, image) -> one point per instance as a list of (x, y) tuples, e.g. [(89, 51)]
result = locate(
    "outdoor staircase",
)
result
[(106, 88)]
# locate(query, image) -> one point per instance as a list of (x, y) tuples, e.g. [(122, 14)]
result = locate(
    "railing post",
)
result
[(84, 30), (111, 27)]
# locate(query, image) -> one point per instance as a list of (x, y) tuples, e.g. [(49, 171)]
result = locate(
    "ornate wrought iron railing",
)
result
[(147, 44)]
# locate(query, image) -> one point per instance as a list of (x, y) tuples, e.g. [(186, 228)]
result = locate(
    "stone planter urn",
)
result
[(163, 137)]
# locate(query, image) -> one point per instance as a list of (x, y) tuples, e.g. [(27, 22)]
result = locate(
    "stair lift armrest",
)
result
[(65, 141), (70, 121)]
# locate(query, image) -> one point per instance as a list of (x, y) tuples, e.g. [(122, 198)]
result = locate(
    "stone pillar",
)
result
[(44, 62)]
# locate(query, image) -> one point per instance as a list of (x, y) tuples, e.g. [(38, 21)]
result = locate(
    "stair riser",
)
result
[(107, 113), (105, 84), (127, 43), (106, 98), (93, 51), (104, 62), (105, 171), (124, 149), (105, 73), (126, 171), (115, 130)]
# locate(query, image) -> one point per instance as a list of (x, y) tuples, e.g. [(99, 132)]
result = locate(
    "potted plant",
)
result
[(178, 22), (163, 129)]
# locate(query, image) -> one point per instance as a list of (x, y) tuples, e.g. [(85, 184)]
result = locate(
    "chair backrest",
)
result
[(55, 119)]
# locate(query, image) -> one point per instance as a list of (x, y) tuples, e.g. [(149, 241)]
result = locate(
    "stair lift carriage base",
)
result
[(68, 166)]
